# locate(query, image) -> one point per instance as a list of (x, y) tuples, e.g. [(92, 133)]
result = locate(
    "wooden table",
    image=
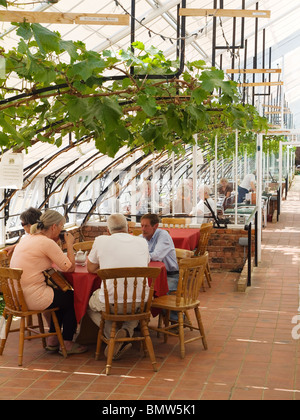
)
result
[(185, 238), (84, 284)]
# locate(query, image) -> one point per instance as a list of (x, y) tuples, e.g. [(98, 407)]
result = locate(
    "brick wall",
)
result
[(91, 232), (225, 253), (87, 233)]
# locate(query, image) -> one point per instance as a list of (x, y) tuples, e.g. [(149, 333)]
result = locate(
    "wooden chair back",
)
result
[(131, 226), (4, 259), (135, 307), (137, 231), (183, 253), (10, 282), (137, 279), (205, 232), (174, 222), (15, 305), (83, 246), (191, 275)]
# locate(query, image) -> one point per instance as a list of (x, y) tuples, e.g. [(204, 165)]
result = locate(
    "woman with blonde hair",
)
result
[(38, 252)]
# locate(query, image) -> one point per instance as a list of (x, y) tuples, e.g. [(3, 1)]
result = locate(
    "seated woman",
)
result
[(28, 218), (38, 252), (225, 188)]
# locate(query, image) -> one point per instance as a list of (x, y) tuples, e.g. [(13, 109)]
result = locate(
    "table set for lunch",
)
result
[(85, 283)]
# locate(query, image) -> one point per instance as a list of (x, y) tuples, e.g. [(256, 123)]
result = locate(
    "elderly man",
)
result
[(202, 210), (161, 248), (120, 249)]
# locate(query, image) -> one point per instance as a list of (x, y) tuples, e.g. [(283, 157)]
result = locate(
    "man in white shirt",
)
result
[(202, 210), (248, 184), (119, 249)]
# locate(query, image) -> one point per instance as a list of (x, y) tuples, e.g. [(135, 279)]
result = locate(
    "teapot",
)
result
[(80, 257)]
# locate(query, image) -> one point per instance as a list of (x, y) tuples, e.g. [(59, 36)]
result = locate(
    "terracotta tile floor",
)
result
[(251, 352)]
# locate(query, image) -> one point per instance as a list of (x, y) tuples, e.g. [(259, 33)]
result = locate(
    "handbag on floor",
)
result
[(56, 280)]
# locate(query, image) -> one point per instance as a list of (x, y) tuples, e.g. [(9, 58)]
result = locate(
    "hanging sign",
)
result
[(11, 171)]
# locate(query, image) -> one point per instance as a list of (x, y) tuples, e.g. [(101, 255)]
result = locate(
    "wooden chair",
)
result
[(180, 254), (134, 309), (174, 222), (131, 226), (4, 261), (205, 232), (15, 305), (137, 231), (183, 253), (191, 274), (83, 246)]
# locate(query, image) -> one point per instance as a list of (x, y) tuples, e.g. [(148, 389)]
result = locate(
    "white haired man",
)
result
[(201, 209), (119, 249)]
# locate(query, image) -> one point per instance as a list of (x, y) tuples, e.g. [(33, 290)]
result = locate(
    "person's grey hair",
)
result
[(47, 219), (204, 189), (117, 223)]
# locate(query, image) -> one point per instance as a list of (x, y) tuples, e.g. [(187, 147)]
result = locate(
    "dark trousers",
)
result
[(66, 313), (241, 194), (173, 279)]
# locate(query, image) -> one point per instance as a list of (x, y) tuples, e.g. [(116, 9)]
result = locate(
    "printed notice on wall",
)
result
[(11, 171)]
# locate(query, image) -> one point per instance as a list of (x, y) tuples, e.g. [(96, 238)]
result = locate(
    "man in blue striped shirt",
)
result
[(161, 248)]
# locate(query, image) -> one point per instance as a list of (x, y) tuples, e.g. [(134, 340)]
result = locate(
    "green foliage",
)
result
[(2, 304), (66, 88)]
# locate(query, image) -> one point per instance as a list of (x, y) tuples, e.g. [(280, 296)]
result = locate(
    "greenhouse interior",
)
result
[(150, 119)]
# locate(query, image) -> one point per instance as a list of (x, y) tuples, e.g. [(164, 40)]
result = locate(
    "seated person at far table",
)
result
[(28, 218), (119, 249), (225, 188), (202, 209), (161, 248), (247, 185)]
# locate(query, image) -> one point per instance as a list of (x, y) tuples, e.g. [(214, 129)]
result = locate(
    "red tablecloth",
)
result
[(84, 284), (185, 238)]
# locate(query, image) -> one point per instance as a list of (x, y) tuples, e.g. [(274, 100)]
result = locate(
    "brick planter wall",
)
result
[(225, 253), (91, 232), (87, 233)]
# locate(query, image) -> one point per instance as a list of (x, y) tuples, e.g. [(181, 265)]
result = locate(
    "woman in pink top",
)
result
[(34, 254)]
